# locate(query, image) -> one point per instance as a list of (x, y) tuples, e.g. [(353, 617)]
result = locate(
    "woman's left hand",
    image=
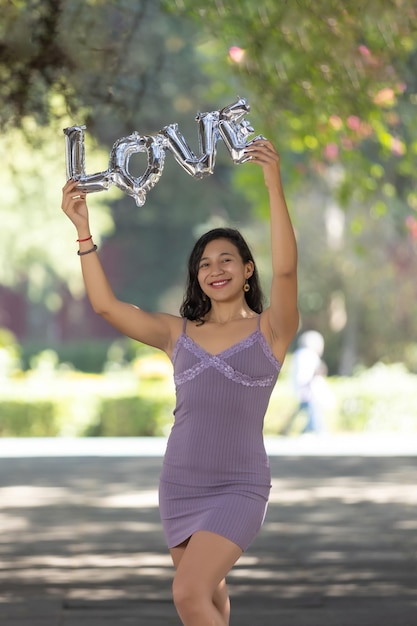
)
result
[(263, 152)]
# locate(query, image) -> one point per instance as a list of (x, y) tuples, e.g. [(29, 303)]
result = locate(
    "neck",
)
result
[(219, 315)]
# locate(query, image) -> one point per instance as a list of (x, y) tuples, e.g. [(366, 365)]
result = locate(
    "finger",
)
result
[(71, 186), (73, 191), (71, 182), (262, 148), (261, 143), (263, 156)]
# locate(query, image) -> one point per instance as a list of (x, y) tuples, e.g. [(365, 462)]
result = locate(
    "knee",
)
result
[(187, 596)]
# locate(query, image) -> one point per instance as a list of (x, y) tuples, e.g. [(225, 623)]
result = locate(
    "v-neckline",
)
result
[(226, 350), (249, 340)]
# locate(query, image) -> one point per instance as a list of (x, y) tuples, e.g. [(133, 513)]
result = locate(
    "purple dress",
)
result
[(216, 474)]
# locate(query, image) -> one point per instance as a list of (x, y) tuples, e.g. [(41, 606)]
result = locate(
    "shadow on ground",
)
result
[(81, 543)]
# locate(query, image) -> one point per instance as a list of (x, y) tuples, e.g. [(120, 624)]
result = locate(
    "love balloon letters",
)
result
[(227, 124)]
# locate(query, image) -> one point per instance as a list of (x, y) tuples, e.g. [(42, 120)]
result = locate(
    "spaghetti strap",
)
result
[(259, 321), (184, 324)]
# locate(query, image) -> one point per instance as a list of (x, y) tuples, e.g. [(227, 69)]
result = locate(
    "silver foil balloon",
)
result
[(75, 155), (227, 124), (122, 150), (234, 130), (197, 166), (75, 162)]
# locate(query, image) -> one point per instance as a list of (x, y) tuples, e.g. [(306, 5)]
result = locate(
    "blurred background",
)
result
[(333, 85)]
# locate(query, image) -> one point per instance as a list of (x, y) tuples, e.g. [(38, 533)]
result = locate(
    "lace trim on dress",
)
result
[(268, 352), (217, 361)]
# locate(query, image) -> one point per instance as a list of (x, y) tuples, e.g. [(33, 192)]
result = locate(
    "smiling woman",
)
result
[(227, 353), (219, 259)]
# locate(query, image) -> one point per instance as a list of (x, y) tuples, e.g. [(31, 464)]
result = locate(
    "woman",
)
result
[(227, 353)]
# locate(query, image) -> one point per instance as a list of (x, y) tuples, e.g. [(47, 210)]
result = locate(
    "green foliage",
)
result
[(130, 417), (116, 67), (94, 53), (32, 58), (9, 352), (36, 242), (333, 84), (310, 58), (380, 399), (9, 341), (36, 418), (134, 416), (86, 356), (139, 402)]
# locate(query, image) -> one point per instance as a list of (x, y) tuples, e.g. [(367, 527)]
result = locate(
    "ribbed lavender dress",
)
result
[(216, 473)]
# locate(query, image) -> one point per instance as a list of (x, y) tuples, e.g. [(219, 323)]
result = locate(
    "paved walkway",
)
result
[(81, 543)]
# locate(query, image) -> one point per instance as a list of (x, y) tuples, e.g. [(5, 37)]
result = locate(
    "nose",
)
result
[(217, 270)]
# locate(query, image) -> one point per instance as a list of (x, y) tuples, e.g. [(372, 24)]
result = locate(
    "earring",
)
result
[(246, 287)]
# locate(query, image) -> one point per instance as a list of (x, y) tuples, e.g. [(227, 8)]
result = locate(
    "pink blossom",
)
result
[(364, 51), (331, 151), (236, 54), (397, 146), (353, 122)]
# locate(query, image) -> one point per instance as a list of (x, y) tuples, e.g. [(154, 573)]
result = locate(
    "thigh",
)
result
[(178, 552), (206, 560)]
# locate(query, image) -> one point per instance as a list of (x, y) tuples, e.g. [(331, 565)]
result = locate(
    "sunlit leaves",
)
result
[(37, 244), (334, 84), (329, 78)]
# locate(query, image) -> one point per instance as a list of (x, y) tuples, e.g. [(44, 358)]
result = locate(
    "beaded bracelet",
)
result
[(93, 249)]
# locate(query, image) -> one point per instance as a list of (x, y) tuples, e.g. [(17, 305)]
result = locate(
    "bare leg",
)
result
[(221, 595), (199, 588), (221, 601)]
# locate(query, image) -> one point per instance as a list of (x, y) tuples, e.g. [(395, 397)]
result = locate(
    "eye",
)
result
[(202, 265)]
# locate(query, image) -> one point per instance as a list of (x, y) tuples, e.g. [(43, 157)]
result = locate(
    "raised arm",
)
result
[(154, 329), (282, 314)]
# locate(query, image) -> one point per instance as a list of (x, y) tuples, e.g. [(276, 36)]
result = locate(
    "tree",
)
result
[(116, 67), (334, 84)]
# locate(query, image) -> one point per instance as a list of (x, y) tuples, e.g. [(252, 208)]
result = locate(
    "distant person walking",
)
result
[(308, 375)]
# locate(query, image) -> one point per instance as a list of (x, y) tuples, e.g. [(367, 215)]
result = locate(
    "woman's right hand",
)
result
[(75, 207)]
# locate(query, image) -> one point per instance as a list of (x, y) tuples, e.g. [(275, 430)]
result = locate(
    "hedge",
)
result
[(136, 404), (130, 417), (37, 418)]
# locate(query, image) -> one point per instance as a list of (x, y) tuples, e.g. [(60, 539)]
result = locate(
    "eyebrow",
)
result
[(205, 258)]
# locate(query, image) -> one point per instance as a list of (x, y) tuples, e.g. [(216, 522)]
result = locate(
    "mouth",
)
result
[(218, 284)]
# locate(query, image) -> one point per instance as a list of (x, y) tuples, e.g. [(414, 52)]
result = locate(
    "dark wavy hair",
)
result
[(196, 304)]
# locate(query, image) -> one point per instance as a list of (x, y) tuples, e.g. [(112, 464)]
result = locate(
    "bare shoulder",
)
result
[(174, 324)]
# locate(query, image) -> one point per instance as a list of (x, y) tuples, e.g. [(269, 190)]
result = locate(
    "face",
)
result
[(221, 272)]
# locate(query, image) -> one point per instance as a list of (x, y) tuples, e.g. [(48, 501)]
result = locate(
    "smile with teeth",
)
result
[(219, 283)]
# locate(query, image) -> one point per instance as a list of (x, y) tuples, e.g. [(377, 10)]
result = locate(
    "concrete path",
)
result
[(81, 543)]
